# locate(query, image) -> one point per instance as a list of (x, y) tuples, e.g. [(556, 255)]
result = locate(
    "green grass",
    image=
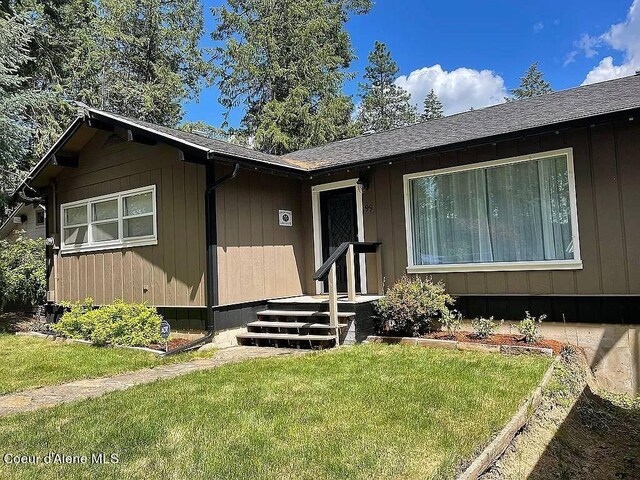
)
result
[(371, 411), (28, 362)]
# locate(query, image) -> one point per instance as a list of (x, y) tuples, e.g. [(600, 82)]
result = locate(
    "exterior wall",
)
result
[(30, 227), (257, 258), (607, 172), (171, 273)]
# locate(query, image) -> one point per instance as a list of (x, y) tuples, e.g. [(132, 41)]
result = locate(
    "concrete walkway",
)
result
[(46, 397)]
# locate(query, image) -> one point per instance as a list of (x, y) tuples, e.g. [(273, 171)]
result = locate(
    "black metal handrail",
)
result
[(358, 247)]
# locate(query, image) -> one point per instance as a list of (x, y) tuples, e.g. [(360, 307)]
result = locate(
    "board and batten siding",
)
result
[(607, 175), (257, 258), (171, 273)]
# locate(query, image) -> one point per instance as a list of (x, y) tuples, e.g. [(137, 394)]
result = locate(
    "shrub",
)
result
[(529, 327), (452, 321), (412, 307), (120, 323), (485, 327), (23, 272)]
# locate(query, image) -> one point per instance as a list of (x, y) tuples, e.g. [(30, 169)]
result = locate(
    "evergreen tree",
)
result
[(532, 84), (285, 62), (433, 107), (15, 101), (384, 104)]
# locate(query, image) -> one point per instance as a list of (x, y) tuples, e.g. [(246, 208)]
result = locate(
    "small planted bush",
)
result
[(452, 321), (120, 323), (530, 327), (23, 272), (485, 327), (412, 307)]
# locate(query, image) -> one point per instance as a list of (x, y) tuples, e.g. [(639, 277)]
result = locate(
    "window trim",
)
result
[(121, 242), (574, 264)]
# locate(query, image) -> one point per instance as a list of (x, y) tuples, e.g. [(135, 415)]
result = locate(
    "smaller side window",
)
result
[(39, 217)]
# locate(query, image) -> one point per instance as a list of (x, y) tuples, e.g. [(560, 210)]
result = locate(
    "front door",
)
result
[(339, 223)]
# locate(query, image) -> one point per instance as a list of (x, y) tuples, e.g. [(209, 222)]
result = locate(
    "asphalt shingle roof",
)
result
[(555, 108)]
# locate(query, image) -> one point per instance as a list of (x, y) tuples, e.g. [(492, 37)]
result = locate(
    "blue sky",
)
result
[(472, 52)]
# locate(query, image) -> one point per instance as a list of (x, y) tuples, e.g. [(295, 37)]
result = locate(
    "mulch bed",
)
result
[(497, 339), (173, 343)]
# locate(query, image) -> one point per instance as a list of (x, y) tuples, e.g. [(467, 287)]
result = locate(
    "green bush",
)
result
[(485, 327), (120, 323), (529, 327), (23, 272), (412, 307), (452, 321)]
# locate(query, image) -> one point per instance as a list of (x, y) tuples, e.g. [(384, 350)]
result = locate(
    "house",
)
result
[(528, 205), (27, 220)]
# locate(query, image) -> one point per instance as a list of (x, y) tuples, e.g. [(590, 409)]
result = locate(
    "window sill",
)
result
[(497, 267), (99, 248)]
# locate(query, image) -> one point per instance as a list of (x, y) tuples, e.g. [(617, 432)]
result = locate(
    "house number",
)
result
[(368, 208)]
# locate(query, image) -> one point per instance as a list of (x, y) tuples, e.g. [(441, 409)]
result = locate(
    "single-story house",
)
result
[(26, 219), (528, 205)]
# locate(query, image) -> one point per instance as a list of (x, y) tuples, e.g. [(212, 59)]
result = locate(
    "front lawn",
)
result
[(28, 362), (370, 411)]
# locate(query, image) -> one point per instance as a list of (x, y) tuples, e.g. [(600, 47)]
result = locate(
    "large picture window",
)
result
[(111, 221), (514, 214)]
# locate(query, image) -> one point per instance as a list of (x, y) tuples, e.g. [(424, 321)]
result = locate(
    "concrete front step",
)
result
[(301, 313), (304, 325)]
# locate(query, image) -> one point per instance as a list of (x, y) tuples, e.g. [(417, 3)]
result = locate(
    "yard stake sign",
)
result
[(165, 331)]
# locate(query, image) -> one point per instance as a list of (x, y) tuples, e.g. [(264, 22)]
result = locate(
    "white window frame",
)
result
[(574, 264), (121, 242)]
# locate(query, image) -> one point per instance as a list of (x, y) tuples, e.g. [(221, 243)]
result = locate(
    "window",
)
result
[(39, 217), (514, 214), (111, 221)]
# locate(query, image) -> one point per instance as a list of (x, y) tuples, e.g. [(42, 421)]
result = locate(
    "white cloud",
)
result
[(458, 90), (624, 37), (537, 28)]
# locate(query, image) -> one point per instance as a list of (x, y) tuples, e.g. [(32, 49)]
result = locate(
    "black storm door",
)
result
[(339, 223)]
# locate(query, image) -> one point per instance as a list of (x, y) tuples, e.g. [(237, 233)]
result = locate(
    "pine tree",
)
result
[(532, 84), (384, 104), (15, 101), (284, 63), (433, 107)]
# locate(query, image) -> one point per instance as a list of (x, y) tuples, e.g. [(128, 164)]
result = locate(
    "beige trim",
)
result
[(317, 227)]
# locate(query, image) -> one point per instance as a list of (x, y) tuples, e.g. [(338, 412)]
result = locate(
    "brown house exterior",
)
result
[(147, 213)]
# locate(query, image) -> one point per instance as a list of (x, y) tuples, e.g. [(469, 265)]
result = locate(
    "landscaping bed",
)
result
[(367, 411), (497, 339)]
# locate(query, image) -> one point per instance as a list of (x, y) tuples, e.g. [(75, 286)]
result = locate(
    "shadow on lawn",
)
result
[(597, 440)]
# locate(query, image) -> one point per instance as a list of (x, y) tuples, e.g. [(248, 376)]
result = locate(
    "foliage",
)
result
[(15, 101), (433, 107), (120, 323), (532, 84), (529, 327), (285, 62), (452, 321), (384, 104), (485, 327), (412, 307), (22, 272)]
